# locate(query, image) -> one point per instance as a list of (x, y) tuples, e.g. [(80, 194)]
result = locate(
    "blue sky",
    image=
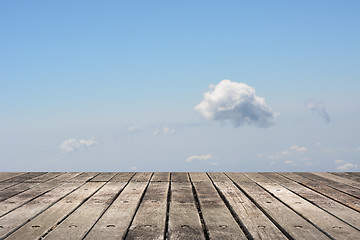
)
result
[(113, 85)]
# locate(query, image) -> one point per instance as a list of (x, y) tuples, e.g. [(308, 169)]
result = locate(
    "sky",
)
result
[(179, 85)]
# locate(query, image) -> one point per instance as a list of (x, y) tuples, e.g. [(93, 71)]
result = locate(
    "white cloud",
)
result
[(134, 168), (343, 165), (164, 130), (237, 103), (199, 157), (298, 149), (318, 108), (72, 144), (289, 162), (133, 128)]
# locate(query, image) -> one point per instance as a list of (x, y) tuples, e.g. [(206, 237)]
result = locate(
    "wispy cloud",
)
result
[(298, 149), (318, 107), (133, 128), (343, 165), (72, 144), (199, 157), (237, 103), (164, 130)]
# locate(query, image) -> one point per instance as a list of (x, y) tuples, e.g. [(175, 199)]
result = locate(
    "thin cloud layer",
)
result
[(72, 144), (318, 108), (237, 103), (344, 166), (199, 157)]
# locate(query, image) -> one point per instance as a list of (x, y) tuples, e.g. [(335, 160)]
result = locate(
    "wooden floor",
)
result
[(161, 205)]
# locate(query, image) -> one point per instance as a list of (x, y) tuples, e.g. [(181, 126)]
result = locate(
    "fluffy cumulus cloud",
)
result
[(237, 103), (72, 144), (318, 108), (342, 165), (199, 157)]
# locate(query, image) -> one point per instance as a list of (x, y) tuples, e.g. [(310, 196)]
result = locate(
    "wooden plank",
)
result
[(160, 177), (342, 212), (334, 184), (150, 219), (142, 177), (117, 218), (348, 176), (103, 177), (16, 189), (83, 177), (24, 177), (179, 177), (285, 218), (80, 222), (219, 222), (45, 177), (331, 225), (6, 185), (338, 179), (122, 177), (8, 175), (13, 220), (26, 196), (332, 193), (47, 220), (254, 220), (199, 177), (184, 219)]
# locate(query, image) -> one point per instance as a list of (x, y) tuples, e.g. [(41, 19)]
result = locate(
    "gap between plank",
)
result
[(168, 199)]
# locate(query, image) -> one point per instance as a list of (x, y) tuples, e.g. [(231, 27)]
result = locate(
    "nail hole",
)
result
[(125, 201), (110, 225), (298, 202), (97, 201), (185, 226), (268, 202), (35, 226), (240, 202), (72, 226), (336, 227), (261, 226), (1, 227), (298, 226), (222, 226), (147, 226), (68, 201)]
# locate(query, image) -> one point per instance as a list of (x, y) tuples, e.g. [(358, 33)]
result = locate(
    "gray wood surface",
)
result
[(348, 176), (149, 222), (179, 177), (103, 177), (15, 219), (339, 210), (15, 189), (122, 177), (142, 177), (184, 219), (23, 177), (45, 222), (325, 221), (293, 224), (116, 220), (80, 222), (217, 217), (338, 179), (160, 177), (8, 175), (255, 221), (44, 177)]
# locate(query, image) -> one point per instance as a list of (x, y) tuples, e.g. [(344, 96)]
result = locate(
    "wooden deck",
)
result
[(196, 205)]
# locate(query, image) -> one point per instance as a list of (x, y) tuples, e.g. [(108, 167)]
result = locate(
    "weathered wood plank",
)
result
[(103, 177), (83, 177), (8, 175), (179, 177), (325, 221), (13, 220), (44, 177), (346, 214), (285, 218), (122, 177), (338, 179), (217, 217), (142, 177), (254, 220), (80, 222), (6, 185), (199, 177), (336, 185), (332, 193), (149, 221), (24, 177), (160, 177), (47, 220), (26, 196), (15, 189), (347, 175), (117, 218), (184, 219)]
